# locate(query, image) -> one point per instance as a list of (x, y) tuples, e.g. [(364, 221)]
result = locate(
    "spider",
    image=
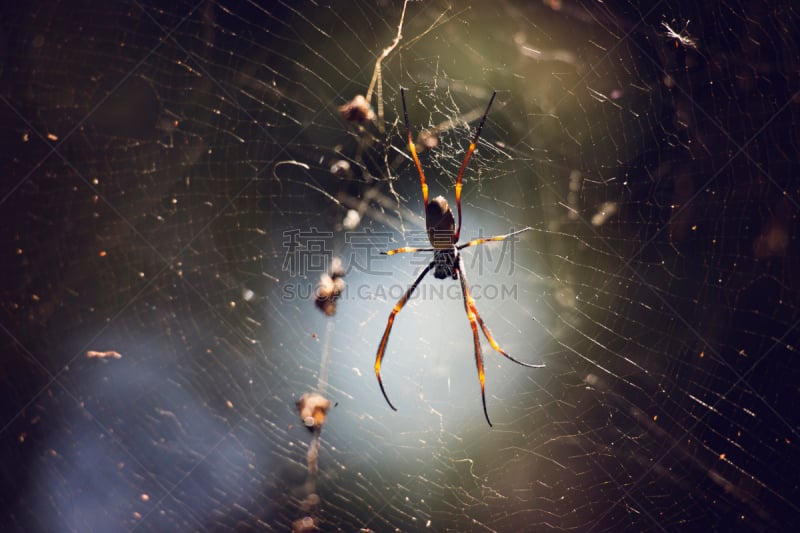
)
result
[(447, 261)]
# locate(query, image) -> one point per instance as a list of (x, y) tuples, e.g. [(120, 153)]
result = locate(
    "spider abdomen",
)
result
[(440, 223)]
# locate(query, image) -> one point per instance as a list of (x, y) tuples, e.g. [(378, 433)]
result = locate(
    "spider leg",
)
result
[(488, 334), (413, 149), (471, 149), (486, 331), (408, 250), (469, 306), (491, 239), (385, 339)]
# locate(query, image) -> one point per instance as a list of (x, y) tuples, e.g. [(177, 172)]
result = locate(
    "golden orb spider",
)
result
[(447, 262)]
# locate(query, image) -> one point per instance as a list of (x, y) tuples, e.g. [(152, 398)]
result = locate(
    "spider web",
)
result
[(178, 177)]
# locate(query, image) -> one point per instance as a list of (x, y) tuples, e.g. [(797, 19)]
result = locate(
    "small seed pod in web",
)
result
[(357, 110), (330, 287), (313, 409)]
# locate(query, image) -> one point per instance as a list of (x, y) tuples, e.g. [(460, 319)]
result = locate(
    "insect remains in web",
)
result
[(682, 37), (447, 262)]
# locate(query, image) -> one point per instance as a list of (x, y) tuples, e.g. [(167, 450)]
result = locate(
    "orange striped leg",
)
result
[(408, 250), (385, 339), (413, 149), (470, 150), (491, 239), (488, 334), (469, 306)]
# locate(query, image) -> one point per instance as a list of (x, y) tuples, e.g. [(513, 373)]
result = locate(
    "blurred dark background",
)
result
[(154, 156)]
